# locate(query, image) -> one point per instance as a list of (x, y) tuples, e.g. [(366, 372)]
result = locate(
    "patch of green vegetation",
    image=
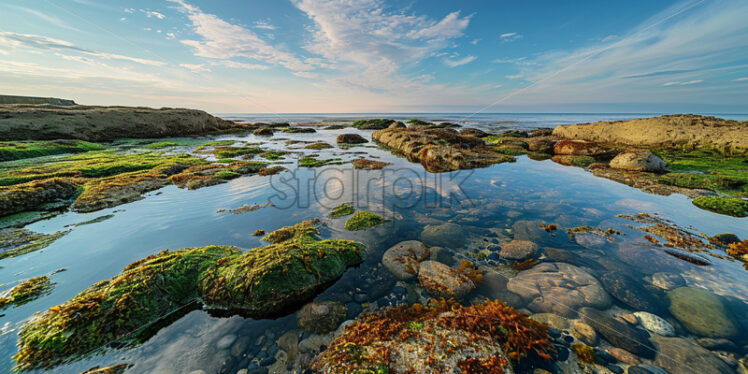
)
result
[(213, 144), (299, 130), (363, 220), (161, 145), (318, 146), (225, 160), (25, 292), (261, 282), (311, 162), (510, 149), (95, 220), (16, 242), (723, 205), (230, 152), (341, 210), (273, 155), (415, 326), (19, 150), (336, 127), (418, 122), (707, 168), (372, 124), (570, 160), (226, 174)]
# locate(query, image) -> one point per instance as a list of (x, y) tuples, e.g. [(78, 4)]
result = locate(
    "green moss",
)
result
[(18, 150), (707, 168), (230, 152), (336, 127), (95, 220), (341, 210), (318, 146), (510, 149), (160, 145), (372, 124), (581, 161), (299, 130), (213, 144), (416, 121), (261, 282), (25, 292), (415, 326), (723, 205), (363, 220), (226, 174), (311, 162), (273, 155), (16, 242)]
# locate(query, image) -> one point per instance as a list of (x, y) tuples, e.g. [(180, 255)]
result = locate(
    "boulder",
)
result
[(321, 317), (473, 132), (519, 250), (628, 291), (560, 288), (701, 312), (351, 139), (619, 334), (654, 323), (638, 160), (678, 355), (449, 235), (668, 281), (585, 333), (443, 281), (402, 258)]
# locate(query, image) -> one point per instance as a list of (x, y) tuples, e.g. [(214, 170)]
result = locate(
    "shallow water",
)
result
[(485, 202)]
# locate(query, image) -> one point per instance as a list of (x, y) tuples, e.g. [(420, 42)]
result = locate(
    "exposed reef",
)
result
[(262, 282)]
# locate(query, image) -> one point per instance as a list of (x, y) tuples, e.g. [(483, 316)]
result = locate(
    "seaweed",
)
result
[(25, 292), (341, 210), (363, 220), (723, 205)]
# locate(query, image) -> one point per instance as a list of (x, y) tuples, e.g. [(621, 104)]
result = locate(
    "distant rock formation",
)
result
[(9, 99), (99, 123)]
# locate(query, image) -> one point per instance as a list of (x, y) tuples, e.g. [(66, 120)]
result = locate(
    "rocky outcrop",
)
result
[(440, 149), (672, 129), (262, 282), (97, 123)]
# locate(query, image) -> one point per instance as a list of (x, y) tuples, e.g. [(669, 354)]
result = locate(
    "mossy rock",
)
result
[(372, 124), (723, 205), (363, 220), (16, 242), (263, 282), (19, 150), (311, 162), (27, 291), (571, 160), (341, 210)]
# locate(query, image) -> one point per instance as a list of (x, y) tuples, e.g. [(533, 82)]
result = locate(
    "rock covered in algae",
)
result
[(25, 292), (363, 220), (443, 337), (262, 282)]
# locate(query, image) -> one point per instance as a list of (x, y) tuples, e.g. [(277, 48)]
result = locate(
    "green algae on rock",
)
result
[(25, 292), (341, 210), (363, 220), (19, 150), (311, 162), (723, 205), (373, 124), (318, 146), (16, 242), (262, 282)]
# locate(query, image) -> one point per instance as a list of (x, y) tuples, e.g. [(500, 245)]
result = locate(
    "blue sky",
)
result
[(381, 56)]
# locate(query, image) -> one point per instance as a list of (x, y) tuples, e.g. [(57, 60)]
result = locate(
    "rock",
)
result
[(638, 160), (701, 312), (678, 355), (720, 344), (321, 317), (585, 333), (351, 139), (654, 323), (114, 369), (619, 334), (725, 238), (263, 131), (313, 343), (624, 356), (440, 149), (443, 281), (374, 124), (628, 291), (628, 317), (443, 255), (519, 250), (289, 342), (239, 346), (646, 369), (558, 288), (529, 230), (397, 125), (264, 281), (449, 235), (100, 123), (671, 129), (668, 281), (543, 131), (402, 258), (473, 132), (542, 145), (552, 320), (578, 148)]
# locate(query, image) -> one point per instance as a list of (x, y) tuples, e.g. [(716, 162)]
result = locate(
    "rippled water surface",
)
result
[(490, 204)]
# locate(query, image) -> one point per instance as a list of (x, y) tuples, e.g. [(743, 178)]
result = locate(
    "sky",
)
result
[(349, 56)]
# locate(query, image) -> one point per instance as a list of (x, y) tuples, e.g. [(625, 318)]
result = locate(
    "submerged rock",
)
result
[(321, 317), (402, 258), (261, 282), (25, 292), (351, 139), (558, 288), (638, 160), (655, 324), (619, 334), (678, 355), (630, 292), (668, 281), (701, 312), (449, 235), (444, 281), (363, 220), (519, 250), (442, 337), (16, 242)]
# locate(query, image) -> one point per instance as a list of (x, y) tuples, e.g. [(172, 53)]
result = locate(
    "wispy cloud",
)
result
[(459, 62), (741, 79), (695, 81), (369, 43), (223, 40), (153, 14), (195, 68), (510, 36), (265, 25)]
